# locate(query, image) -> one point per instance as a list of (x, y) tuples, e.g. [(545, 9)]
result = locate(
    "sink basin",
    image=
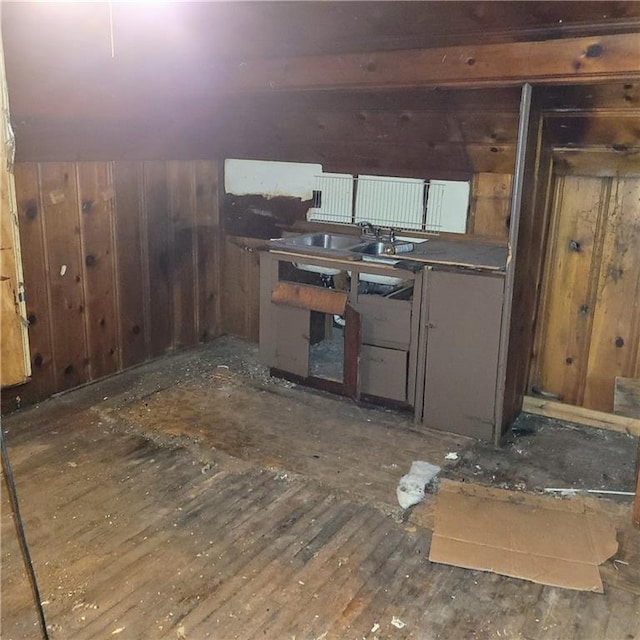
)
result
[(316, 243), (383, 248), (330, 241)]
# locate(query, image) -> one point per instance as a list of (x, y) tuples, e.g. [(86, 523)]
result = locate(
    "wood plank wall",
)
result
[(241, 291), (589, 329), (121, 264)]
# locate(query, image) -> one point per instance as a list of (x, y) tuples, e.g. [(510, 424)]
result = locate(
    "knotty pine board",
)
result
[(132, 263), (96, 199)]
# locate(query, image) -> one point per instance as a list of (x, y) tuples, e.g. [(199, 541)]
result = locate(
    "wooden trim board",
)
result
[(580, 415), (566, 61), (308, 297)]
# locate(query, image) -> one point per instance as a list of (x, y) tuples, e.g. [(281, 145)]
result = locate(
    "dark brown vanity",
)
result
[(419, 330)]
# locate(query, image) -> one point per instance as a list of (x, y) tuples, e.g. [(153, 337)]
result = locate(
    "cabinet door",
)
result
[(463, 334), (291, 339)]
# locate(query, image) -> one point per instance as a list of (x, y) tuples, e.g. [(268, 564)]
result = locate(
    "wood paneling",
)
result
[(578, 209), (61, 217), (208, 196), (241, 287), (31, 221), (182, 216), (615, 333), (616, 128), (96, 198), (597, 161), (121, 264), (132, 263), (159, 233), (590, 324), (490, 205)]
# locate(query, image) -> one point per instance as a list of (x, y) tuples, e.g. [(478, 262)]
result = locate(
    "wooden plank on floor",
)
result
[(580, 415), (180, 533), (291, 523), (341, 539), (353, 588)]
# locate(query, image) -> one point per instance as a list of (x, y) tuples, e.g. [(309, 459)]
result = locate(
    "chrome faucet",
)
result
[(369, 229)]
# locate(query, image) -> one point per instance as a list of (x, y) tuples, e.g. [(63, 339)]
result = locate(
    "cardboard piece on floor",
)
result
[(557, 542)]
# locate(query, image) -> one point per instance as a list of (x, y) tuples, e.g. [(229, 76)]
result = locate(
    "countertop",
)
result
[(435, 251), (478, 255)]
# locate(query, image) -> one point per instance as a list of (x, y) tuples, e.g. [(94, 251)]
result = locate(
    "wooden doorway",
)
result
[(589, 323)]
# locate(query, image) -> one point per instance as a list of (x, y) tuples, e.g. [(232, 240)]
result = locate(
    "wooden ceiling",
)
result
[(134, 80)]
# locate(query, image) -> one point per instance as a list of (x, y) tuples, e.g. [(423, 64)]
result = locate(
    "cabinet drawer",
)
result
[(385, 322), (383, 373)]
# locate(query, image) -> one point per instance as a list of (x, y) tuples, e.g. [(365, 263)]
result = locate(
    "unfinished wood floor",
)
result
[(141, 527)]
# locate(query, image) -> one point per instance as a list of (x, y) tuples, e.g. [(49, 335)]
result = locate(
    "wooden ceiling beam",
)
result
[(568, 61)]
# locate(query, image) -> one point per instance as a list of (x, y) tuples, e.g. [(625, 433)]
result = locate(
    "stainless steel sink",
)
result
[(383, 248), (345, 245), (329, 241)]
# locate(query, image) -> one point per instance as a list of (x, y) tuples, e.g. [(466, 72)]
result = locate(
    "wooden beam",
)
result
[(580, 415), (569, 61), (597, 161)]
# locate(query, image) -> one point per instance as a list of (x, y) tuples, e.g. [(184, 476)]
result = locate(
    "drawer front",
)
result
[(383, 373), (385, 323)]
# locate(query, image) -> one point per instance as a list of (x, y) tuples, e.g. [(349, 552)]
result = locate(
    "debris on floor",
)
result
[(551, 541), (397, 623), (412, 486)]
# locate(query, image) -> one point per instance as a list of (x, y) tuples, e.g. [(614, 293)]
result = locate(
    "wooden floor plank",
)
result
[(174, 534), (624, 619), (318, 571), (263, 568), (353, 591), (394, 577), (208, 507)]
